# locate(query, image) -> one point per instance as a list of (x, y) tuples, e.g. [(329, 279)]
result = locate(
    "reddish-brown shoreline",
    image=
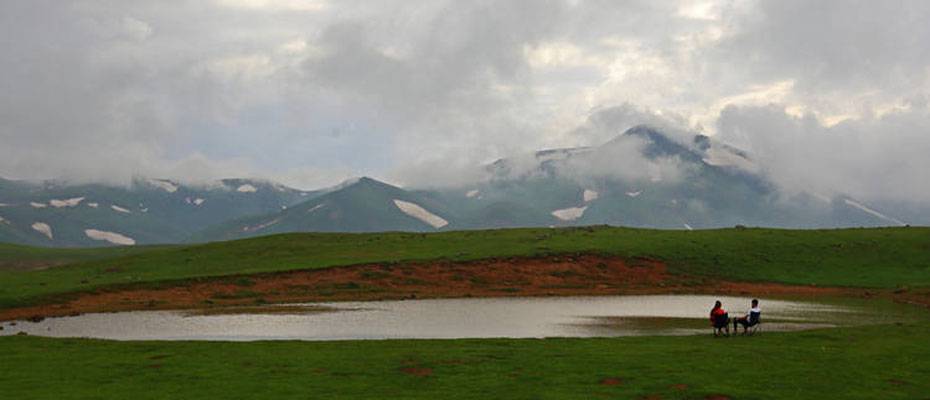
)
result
[(548, 276)]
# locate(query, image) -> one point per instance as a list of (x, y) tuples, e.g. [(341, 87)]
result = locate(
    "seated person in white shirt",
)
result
[(752, 317)]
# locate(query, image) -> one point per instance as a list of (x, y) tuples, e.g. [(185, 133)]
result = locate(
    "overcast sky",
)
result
[(830, 95)]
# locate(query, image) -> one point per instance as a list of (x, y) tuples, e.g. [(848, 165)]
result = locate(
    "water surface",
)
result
[(531, 317)]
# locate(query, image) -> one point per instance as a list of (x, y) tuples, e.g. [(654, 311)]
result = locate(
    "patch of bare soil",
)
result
[(544, 276), (417, 371), (611, 381)]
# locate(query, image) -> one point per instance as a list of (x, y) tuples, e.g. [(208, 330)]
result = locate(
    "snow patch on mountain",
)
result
[(420, 213), (247, 188), (821, 197), (93, 205), (634, 194), (590, 195), (111, 237), (120, 209), (260, 226), (66, 203), (198, 201), (37, 205), (569, 214), (724, 157), (165, 185), (872, 212), (4, 205), (3, 221), (43, 228), (688, 227), (316, 207), (473, 193)]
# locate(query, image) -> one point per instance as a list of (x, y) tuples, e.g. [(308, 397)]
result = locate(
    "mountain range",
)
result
[(642, 178), (148, 211)]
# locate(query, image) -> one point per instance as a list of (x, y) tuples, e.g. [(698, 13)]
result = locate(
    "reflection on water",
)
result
[(440, 318)]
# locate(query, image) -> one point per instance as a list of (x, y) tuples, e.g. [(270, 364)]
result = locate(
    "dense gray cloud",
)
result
[(604, 125), (311, 91), (834, 45), (874, 158), (108, 90)]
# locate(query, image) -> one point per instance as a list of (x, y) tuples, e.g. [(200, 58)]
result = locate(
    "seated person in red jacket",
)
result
[(752, 317), (719, 319)]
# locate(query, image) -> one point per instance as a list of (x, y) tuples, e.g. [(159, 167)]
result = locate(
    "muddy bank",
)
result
[(548, 276)]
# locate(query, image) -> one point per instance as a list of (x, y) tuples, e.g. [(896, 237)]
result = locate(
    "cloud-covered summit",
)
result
[(830, 96)]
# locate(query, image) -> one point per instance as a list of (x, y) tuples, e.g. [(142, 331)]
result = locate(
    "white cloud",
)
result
[(311, 92), (276, 5), (873, 158), (699, 9)]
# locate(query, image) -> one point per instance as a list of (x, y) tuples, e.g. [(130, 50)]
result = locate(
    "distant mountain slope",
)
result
[(365, 205), (147, 211), (684, 185), (693, 184), (643, 177)]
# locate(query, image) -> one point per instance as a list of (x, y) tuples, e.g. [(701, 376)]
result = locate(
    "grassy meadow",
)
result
[(25, 258), (879, 258), (874, 362), (889, 361)]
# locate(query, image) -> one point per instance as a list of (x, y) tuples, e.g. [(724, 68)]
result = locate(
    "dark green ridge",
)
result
[(18, 257), (875, 257)]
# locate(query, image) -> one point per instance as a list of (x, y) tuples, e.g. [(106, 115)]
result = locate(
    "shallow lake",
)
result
[(531, 317)]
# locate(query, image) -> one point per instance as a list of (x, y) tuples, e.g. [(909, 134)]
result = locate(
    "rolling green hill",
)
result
[(880, 257), (17, 257)]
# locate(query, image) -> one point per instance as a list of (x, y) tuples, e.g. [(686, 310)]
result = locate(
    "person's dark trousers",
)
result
[(741, 321)]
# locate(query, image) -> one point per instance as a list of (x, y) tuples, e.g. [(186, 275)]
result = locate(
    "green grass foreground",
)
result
[(880, 257), (876, 362)]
